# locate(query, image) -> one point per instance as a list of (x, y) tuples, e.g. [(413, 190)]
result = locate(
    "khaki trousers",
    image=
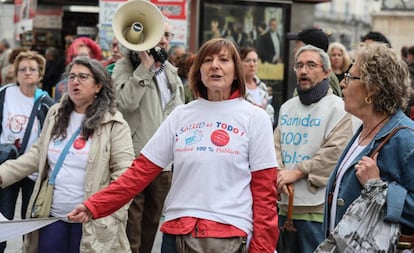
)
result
[(189, 244), (145, 212)]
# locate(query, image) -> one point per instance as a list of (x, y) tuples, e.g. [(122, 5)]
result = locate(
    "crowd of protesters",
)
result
[(190, 139)]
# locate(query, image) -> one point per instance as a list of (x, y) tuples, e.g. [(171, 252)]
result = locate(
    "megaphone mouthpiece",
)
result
[(137, 27), (135, 34)]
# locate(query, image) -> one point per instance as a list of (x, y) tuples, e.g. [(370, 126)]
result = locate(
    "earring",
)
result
[(96, 95), (368, 100)]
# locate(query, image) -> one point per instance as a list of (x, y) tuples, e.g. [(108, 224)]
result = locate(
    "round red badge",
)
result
[(79, 143), (220, 138)]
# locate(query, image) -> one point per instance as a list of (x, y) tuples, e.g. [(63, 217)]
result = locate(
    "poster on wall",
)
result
[(107, 9), (24, 13), (48, 17), (253, 24), (175, 11)]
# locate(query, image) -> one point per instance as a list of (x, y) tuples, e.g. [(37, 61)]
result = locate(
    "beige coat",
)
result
[(111, 153), (139, 99)]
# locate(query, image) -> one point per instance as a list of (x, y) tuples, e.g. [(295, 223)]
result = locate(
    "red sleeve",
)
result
[(121, 191), (265, 218)]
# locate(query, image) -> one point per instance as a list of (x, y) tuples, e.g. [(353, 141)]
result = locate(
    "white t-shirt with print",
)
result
[(215, 146), (256, 96), (16, 113), (70, 181), (17, 108)]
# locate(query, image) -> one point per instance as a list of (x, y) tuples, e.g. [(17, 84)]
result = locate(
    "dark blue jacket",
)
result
[(396, 163)]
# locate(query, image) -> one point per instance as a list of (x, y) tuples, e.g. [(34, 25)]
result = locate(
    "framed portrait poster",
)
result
[(261, 25), (249, 23)]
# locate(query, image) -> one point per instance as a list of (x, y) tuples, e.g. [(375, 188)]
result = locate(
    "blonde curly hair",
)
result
[(386, 75)]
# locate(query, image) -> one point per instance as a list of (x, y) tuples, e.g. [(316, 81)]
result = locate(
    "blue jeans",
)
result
[(8, 199), (309, 234), (168, 244), (60, 237)]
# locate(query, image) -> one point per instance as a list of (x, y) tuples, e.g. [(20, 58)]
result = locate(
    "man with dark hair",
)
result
[(404, 53), (318, 38), (55, 67), (175, 52), (269, 45), (375, 37)]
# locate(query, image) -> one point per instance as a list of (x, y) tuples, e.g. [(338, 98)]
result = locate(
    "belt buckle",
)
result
[(404, 245)]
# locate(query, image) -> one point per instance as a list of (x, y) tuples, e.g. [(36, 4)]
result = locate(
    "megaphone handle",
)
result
[(159, 54)]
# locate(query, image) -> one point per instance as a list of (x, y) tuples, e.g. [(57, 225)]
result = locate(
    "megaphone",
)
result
[(138, 25)]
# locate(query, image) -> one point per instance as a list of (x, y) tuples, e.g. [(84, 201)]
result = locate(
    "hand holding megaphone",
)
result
[(149, 57), (146, 59)]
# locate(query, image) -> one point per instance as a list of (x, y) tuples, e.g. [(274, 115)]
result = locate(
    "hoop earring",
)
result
[(368, 100)]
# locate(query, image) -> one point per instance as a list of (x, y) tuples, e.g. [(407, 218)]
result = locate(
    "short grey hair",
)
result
[(323, 55)]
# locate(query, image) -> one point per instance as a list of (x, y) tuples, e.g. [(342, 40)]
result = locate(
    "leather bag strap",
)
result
[(387, 138)]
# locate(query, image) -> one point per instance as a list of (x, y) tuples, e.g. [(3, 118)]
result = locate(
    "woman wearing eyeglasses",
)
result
[(17, 103), (82, 46), (87, 144), (375, 91)]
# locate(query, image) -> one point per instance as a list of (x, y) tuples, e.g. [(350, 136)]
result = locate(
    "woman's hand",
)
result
[(80, 214), (367, 169)]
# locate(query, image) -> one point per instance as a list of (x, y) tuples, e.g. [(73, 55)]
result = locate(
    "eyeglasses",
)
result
[(348, 77), (82, 77), (31, 70), (310, 65), (169, 35)]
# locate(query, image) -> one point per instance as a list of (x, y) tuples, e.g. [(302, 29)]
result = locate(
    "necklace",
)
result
[(372, 130), (360, 140)]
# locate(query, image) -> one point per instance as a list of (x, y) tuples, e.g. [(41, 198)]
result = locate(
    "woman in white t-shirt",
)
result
[(223, 186), (99, 149), (17, 101), (256, 90)]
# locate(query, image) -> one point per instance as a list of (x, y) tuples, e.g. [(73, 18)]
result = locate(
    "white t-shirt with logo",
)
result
[(17, 108), (70, 181), (16, 113), (215, 146)]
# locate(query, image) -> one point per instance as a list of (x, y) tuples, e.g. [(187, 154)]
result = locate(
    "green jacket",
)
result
[(110, 155), (334, 84)]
